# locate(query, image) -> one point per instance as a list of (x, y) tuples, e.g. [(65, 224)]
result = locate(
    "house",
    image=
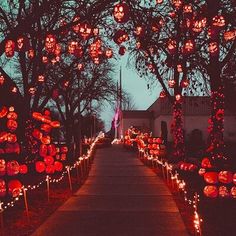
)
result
[(157, 118)]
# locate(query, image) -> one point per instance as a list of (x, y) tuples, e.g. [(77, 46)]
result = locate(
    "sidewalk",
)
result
[(121, 197)]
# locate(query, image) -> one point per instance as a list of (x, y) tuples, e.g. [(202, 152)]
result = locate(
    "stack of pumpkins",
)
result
[(10, 166), (219, 183), (50, 156)]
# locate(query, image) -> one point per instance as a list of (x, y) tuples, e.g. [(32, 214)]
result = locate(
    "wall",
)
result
[(141, 122)]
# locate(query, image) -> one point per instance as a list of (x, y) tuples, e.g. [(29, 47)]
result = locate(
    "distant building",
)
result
[(158, 117)]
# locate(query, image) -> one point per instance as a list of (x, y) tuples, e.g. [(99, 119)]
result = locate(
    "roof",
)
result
[(138, 114), (191, 106)]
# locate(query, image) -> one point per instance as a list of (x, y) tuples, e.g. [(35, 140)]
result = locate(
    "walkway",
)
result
[(121, 197)]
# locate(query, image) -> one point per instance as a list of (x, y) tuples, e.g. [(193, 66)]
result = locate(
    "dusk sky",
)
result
[(136, 86)]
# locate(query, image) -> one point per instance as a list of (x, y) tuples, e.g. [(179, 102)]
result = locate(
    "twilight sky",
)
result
[(136, 86)]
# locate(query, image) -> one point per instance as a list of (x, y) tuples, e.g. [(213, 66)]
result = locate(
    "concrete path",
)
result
[(121, 197)]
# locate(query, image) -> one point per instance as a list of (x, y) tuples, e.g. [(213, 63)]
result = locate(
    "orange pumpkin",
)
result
[(223, 191), (211, 177), (211, 191), (58, 166), (225, 177), (206, 163), (14, 187), (40, 166), (233, 192), (3, 111), (3, 189), (43, 150), (49, 160)]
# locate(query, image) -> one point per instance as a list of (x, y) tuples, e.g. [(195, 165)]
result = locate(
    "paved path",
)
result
[(121, 197)]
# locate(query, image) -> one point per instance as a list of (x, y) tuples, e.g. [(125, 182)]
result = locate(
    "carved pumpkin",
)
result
[(9, 48), (46, 128), (50, 43), (52, 150), (120, 37), (46, 139), (40, 166), (211, 191), (223, 191), (233, 192), (37, 134), (55, 124), (49, 160), (13, 168), (121, 12), (50, 169), (122, 50), (12, 125), (23, 169), (11, 138), (22, 43), (43, 150), (3, 111), (211, 177), (3, 188), (202, 171), (64, 149), (206, 163), (2, 167), (58, 166), (234, 178), (14, 187), (85, 30), (225, 177)]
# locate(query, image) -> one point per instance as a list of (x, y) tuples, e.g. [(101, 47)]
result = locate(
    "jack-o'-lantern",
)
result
[(49, 160), (52, 150), (9, 48), (12, 125), (233, 192), (22, 43), (46, 128), (213, 48), (187, 10), (46, 139), (40, 166), (121, 12), (55, 124), (23, 169), (3, 188), (12, 148), (2, 167), (64, 149), (57, 51), (109, 53), (63, 156), (218, 21), (162, 94), (122, 50), (76, 26), (3, 111), (211, 177), (188, 47), (14, 89), (230, 35), (14, 187), (171, 83), (96, 31), (184, 83), (12, 115), (211, 191), (11, 138), (80, 66), (120, 36), (234, 178), (43, 150), (223, 191), (50, 43), (37, 134), (58, 166), (139, 31), (50, 169), (202, 171), (41, 78), (206, 163), (225, 177), (85, 30), (171, 45), (177, 3), (13, 168)]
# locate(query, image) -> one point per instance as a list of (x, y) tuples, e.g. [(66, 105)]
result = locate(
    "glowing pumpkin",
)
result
[(225, 177), (211, 191), (43, 150), (223, 191), (206, 163), (40, 166), (50, 169), (211, 177), (14, 187), (3, 111), (121, 12), (58, 166), (51, 150), (2, 167), (9, 48), (3, 188), (49, 160), (233, 192), (13, 168), (23, 169), (12, 125), (50, 43)]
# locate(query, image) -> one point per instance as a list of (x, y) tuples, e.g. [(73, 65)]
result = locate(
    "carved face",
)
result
[(12, 125), (121, 12), (9, 48), (177, 3), (171, 46), (233, 192), (20, 43), (3, 188), (171, 83), (12, 115), (14, 187), (50, 43), (213, 47), (223, 191), (187, 9), (11, 138), (85, 30), (13, 168), (218, 21), (188, 46), (2, 167)]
